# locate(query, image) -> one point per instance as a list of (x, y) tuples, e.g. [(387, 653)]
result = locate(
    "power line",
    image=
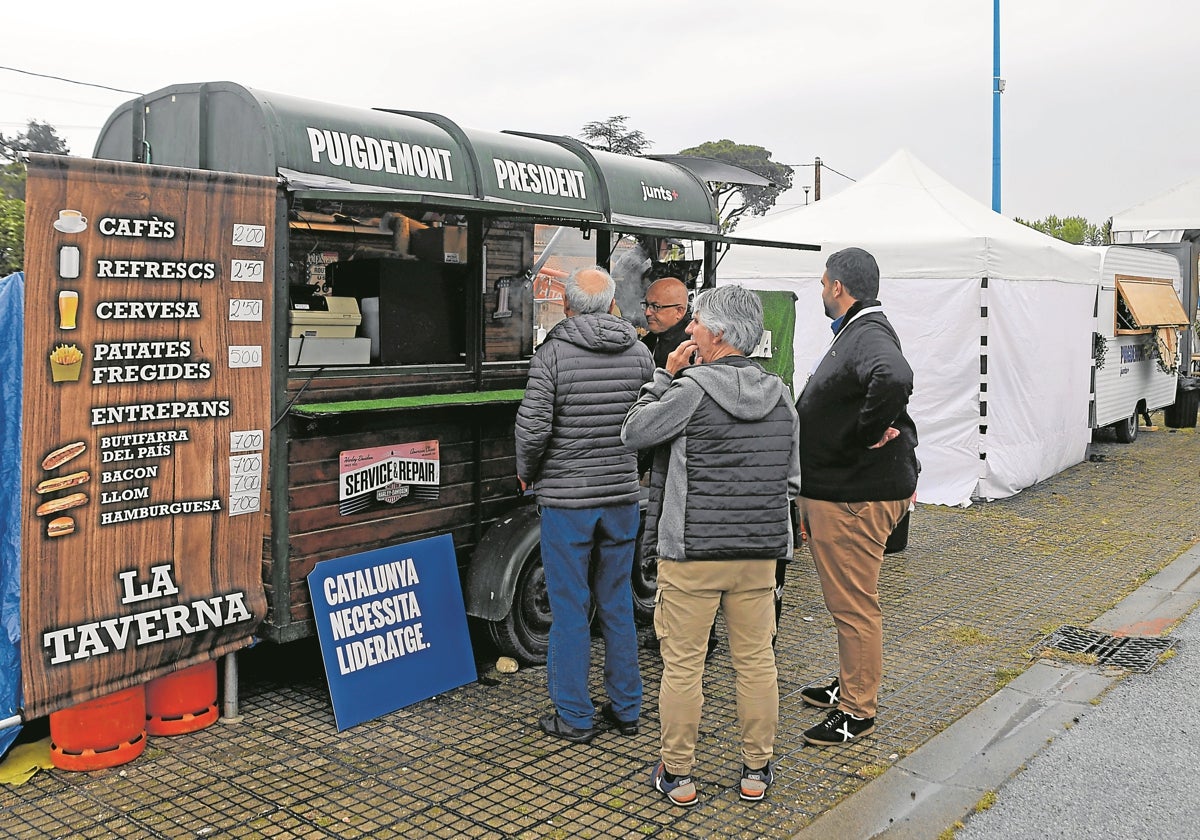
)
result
[(70, 81), (824, 165)]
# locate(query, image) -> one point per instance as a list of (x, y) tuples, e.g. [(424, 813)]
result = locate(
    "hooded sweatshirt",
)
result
[(727, 461), (582, 380)]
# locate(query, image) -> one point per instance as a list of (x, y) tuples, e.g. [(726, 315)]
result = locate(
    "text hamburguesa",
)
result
[(97, 638), (395, 607)]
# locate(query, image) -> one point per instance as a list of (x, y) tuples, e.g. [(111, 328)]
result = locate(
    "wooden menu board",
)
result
[(145, 421)]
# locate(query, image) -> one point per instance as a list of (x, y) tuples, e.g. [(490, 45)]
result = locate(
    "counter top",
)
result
[(316, 409)]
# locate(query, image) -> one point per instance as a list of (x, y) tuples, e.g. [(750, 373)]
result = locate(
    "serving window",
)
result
[(1144, 303), (373, 287), (528, 262), (523, 292)]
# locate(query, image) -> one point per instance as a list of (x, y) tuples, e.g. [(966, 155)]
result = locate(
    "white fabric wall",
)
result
[(939, 324), (1039, 364)]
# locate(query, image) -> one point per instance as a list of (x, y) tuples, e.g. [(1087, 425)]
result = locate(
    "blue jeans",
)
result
[(568, 540)]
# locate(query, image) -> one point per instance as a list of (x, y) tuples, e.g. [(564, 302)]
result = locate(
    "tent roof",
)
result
[(1166, 217), (917, 225)]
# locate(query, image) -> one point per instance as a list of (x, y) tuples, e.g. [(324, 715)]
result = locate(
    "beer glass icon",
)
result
[(68, 308)]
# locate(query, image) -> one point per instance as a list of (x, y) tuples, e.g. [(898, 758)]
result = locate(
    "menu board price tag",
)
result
[(246, 271), (250, 236), (248, 440), (245, 356), (240, 503), (241, 309)]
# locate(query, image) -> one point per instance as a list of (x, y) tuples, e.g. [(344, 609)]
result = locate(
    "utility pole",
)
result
[(817, 175), (997, 89)]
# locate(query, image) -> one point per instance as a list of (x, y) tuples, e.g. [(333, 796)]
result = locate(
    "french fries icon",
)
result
[(65, 363)]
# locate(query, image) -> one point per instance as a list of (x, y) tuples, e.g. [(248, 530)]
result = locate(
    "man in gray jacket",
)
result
[(725, 469), (582, 380)]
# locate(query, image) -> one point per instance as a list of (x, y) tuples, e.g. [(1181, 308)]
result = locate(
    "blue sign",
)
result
[(392, 626)]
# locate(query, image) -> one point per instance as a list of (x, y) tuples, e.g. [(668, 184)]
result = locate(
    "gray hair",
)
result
[(734, 312), (589, 303), (856, 270)]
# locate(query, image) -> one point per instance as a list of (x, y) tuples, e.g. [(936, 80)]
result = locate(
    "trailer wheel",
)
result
[(525, 632), (1127, 429), (644, 582)]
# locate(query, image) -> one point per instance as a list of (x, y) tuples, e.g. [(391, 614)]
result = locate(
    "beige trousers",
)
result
[(846, 540), (689, 593)]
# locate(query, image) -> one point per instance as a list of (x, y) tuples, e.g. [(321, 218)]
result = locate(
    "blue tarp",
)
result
[(12, 337)]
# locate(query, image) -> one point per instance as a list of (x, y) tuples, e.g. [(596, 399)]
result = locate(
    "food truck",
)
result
[(416, 266)]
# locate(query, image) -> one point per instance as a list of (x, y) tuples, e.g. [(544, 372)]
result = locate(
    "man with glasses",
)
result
[(667, 317)]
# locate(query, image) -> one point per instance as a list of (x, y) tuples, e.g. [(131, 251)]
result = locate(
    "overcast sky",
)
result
[(1098, 113)]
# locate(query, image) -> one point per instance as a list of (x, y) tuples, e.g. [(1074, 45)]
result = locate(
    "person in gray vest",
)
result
[(582, 380), (668, 315), (726, 468)]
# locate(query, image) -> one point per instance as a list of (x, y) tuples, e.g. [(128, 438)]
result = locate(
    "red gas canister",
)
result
[(99, 733), (184, 701)]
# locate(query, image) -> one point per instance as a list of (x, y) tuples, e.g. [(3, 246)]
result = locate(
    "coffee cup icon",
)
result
[(70, 221)]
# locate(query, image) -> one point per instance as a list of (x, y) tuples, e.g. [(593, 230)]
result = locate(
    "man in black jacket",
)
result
[(858, 472), (667, 317)]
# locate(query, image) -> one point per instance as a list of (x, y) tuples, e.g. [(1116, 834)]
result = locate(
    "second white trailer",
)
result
[(1136, 338)]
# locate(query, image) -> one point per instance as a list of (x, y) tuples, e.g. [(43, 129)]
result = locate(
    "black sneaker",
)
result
[(821, 696), (755, 782), (838, 728), (608, 720), (552, 724)]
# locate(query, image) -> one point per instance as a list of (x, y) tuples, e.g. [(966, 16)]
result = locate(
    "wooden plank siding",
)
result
[(478, 485)]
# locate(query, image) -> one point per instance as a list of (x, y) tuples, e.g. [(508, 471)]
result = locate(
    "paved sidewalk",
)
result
[(974, 592)]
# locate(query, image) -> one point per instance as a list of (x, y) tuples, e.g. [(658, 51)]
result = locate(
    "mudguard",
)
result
[(491, 579)]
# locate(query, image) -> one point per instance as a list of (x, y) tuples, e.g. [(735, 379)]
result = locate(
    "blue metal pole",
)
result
[(997, 89)]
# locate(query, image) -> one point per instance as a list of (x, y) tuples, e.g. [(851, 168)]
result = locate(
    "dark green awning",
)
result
[(327, 151)]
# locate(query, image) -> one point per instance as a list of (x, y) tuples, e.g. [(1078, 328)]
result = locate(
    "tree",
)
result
[(38, 137), (1074, 229), (735, 200), (12, 235), (612, 135)]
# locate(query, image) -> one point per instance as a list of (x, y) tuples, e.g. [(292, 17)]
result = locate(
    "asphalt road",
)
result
[(1128, 770)]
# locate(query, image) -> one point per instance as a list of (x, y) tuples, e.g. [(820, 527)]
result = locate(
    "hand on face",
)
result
[(683, 356)]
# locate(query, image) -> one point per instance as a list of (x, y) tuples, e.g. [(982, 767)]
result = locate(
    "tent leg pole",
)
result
[(229, 709)]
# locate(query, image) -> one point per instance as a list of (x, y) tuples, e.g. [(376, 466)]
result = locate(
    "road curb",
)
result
[(923, 793)]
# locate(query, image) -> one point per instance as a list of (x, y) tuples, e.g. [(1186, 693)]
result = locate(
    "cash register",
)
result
[(322, 329)]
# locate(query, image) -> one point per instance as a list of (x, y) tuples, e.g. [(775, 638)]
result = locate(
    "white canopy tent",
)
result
[(995, 318), (1165, 218)]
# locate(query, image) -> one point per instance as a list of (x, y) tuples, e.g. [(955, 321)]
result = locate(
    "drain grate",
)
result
[(1137, 653)]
